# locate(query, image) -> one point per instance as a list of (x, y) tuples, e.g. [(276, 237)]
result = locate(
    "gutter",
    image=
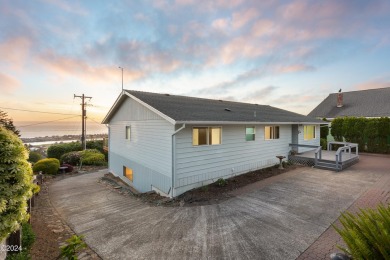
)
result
[(173, 155)]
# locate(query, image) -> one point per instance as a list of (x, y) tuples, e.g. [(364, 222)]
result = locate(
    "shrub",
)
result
[(324, 144), (337, 129), (221, 182), (324, 130), (367, 234), (98, 145), (47, 166), (34, 157), (74, 245), (72, 158), (69, 169), (28, 236), (57, 150), (15, 182), (92, 157)]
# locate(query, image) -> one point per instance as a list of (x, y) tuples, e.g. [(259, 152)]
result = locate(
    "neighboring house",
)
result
[(172, 144), (364, 103)]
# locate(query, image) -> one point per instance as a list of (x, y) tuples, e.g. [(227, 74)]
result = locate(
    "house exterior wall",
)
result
[(148, 152), (301, 140), (200, 165)]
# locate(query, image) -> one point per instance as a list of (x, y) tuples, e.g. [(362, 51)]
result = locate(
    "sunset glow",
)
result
[(288, 54)]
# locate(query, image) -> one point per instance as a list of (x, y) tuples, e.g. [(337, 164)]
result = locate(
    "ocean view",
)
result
[(31, 129)]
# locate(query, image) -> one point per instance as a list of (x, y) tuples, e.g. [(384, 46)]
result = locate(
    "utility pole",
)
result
[(122, 76), (83, 120)]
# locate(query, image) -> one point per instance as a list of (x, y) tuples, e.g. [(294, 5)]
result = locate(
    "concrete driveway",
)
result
[(278, 220)]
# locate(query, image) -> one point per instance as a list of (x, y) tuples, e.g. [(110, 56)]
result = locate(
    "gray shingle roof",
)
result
[(363, 103), (187, 109)]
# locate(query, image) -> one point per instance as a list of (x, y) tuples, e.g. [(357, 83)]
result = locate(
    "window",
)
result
[(271, 132), (206, 135), (128, 131), (250, 133), (128, 173), (309, 132)]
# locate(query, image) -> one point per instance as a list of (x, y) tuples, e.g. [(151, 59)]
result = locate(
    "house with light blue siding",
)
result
[(172, 144)]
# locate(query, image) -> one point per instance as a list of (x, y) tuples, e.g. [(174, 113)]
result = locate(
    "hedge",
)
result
[(372, 134), (16, 185), (92, 157), (58, 150), (72, 158), (34, 157), (47, 166)]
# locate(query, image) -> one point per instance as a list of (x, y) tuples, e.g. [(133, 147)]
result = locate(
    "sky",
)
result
[(287, 54)]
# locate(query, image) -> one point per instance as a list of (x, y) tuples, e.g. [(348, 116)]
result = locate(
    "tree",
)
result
[(16, 185), (7, 123)]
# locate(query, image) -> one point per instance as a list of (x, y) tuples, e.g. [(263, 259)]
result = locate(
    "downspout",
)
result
[(173, 155)]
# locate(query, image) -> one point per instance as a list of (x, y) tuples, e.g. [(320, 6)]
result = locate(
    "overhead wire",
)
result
[(35, 111), (40, 123)]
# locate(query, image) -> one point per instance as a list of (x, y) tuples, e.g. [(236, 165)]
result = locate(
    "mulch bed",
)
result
[(210, 194)]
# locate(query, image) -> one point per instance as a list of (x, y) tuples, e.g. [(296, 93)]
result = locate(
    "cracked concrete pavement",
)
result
[(279, 220)]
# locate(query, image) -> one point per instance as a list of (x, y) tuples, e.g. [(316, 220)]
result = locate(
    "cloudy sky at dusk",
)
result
[(288, 54)]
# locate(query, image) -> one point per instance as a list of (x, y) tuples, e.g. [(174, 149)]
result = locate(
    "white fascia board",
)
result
[(113, 107), (170, 120), (246, 123)]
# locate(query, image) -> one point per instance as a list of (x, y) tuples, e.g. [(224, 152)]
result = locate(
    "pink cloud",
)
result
[(373, 84), (14, 52), (242, 18), (8, 84), (263, 27), (66, 66), (294, 68)]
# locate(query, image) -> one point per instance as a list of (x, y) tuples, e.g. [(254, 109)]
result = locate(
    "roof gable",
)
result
[(363, 103)]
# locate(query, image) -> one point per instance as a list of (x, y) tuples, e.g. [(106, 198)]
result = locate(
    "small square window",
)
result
[(128, 132), (250, 133)]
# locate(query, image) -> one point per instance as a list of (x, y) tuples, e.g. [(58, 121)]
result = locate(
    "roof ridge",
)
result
[(361, 90), (211, 99)]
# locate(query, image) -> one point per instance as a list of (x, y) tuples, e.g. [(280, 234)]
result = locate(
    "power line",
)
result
[(94, 120), (35, 111), (48, 121)]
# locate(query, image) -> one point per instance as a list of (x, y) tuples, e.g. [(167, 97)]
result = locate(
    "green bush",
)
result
[(34, 157), (15, 182), (47, 166), (221, 182), (57, 150), (367, 234), (98, 145), (74, 245), (372, 135), (73, 158), (92, 157), (324, 144), (28, 236), (324, 130), (23, 255)]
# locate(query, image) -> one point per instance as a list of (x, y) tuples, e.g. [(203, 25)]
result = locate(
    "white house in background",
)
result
[(172, 144)]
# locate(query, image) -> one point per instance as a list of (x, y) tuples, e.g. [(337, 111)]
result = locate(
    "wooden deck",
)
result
[(327, 160)]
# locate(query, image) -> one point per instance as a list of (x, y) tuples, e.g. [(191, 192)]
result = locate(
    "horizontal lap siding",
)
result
[(148, 152), (234, 156)]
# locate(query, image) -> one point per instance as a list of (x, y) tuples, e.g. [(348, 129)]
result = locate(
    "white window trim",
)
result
[(208, 127), (272, 127), (128, 139), (254, 133)]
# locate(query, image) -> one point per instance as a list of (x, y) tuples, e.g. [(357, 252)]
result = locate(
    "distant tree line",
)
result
[(372, 134)]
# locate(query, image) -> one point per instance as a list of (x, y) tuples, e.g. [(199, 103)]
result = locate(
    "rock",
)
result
[(60, 230), (339, 256)]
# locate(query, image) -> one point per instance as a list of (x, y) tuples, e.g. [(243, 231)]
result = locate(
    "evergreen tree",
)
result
[(7, 123)]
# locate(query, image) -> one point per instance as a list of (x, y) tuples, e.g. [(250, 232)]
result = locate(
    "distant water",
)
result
[(33, 129)]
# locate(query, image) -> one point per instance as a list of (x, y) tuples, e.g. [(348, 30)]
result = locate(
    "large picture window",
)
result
[(309, 132), (206, 135), (271, 132), (250, 133)]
